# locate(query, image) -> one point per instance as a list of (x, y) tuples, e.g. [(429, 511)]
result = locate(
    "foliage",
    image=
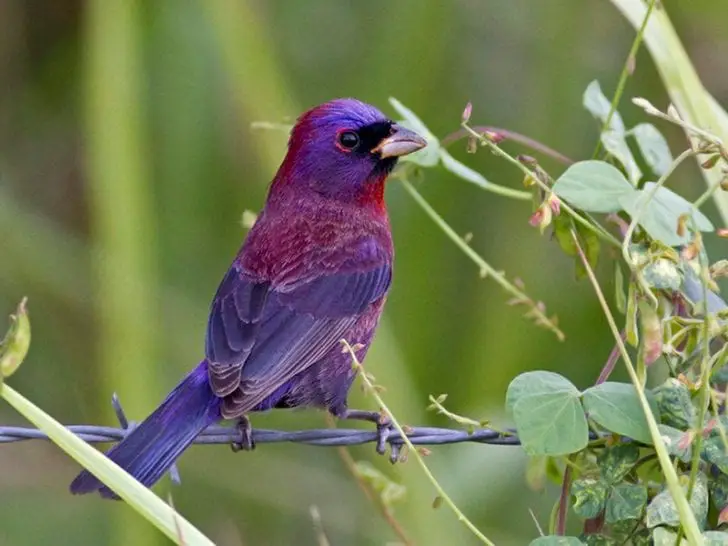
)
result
[(603, 433)]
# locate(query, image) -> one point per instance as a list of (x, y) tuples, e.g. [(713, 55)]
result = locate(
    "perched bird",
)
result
[(314, 268)]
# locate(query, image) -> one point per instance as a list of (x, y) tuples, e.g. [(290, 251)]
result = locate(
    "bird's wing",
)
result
[(260, 335)]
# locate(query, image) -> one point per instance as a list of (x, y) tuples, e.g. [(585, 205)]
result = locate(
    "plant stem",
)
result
[(485, 268), (497, 150), (563, 502), (625, 74), (412, 449), (673, 484), (705, 371)]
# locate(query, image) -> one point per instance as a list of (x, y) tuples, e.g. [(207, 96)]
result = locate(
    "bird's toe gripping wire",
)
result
[(245, 430), (384, 429)]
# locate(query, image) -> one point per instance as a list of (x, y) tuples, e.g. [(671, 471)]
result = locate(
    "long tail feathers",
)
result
[(154, 445)]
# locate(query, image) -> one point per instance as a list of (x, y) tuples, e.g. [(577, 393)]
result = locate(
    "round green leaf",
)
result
[(594, 186), (616, 407), (551, 423), (535, 383), (548, 414)]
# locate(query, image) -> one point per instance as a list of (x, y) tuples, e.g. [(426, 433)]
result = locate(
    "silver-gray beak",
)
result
[(402, 141)]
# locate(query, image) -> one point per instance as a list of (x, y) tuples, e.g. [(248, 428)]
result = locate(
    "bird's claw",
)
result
[(384, 429), (246, 442)]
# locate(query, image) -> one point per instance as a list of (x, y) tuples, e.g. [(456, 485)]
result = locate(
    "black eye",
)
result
[(349, 140)]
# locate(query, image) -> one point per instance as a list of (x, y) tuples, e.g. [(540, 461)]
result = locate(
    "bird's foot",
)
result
[(384, 429), (245, 429)]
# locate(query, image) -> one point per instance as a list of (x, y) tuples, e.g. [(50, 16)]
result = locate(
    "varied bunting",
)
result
[(314, 269)]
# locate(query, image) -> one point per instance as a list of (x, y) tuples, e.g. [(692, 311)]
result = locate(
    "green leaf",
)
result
[(653, 147), (599, 106), (553, 540), (641, 538), (466, 173), (699, 499), (562, 224), (678, 443), (665, 537), (719, 491), (662, 509), (615, 462), (463, 171), (428, 156), (626, 502), (588, 240), (714, 451), (675, 404), (590, 243), (141, 499), (715, 538), (590, 496), (548, 415), (624, 532), (551, 424), (594, 186), (613, 136), (535, 383), (616, 407), (616, 145), (659, 216)]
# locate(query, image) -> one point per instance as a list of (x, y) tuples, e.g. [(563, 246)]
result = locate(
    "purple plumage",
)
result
[(315, 268)]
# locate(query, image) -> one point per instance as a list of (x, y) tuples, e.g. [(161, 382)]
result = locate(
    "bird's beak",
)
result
[(401, 142)]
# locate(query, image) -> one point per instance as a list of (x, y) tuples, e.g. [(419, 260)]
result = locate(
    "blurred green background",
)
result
[(127, 158)]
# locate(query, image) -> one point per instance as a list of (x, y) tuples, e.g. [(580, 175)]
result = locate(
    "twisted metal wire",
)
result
[(217, 434)]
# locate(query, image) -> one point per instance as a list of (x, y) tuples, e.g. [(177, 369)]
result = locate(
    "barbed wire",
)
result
[(317, 437), (327, 437)]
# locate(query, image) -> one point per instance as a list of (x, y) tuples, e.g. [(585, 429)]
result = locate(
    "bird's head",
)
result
[(344, 149)]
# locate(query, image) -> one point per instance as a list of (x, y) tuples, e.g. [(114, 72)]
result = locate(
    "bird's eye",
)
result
[(348, 140)]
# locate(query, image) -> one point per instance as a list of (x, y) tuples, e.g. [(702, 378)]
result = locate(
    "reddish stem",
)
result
[(563, 503), (611, 361)]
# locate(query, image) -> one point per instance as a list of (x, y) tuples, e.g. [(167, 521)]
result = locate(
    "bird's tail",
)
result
[(153, 446)]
